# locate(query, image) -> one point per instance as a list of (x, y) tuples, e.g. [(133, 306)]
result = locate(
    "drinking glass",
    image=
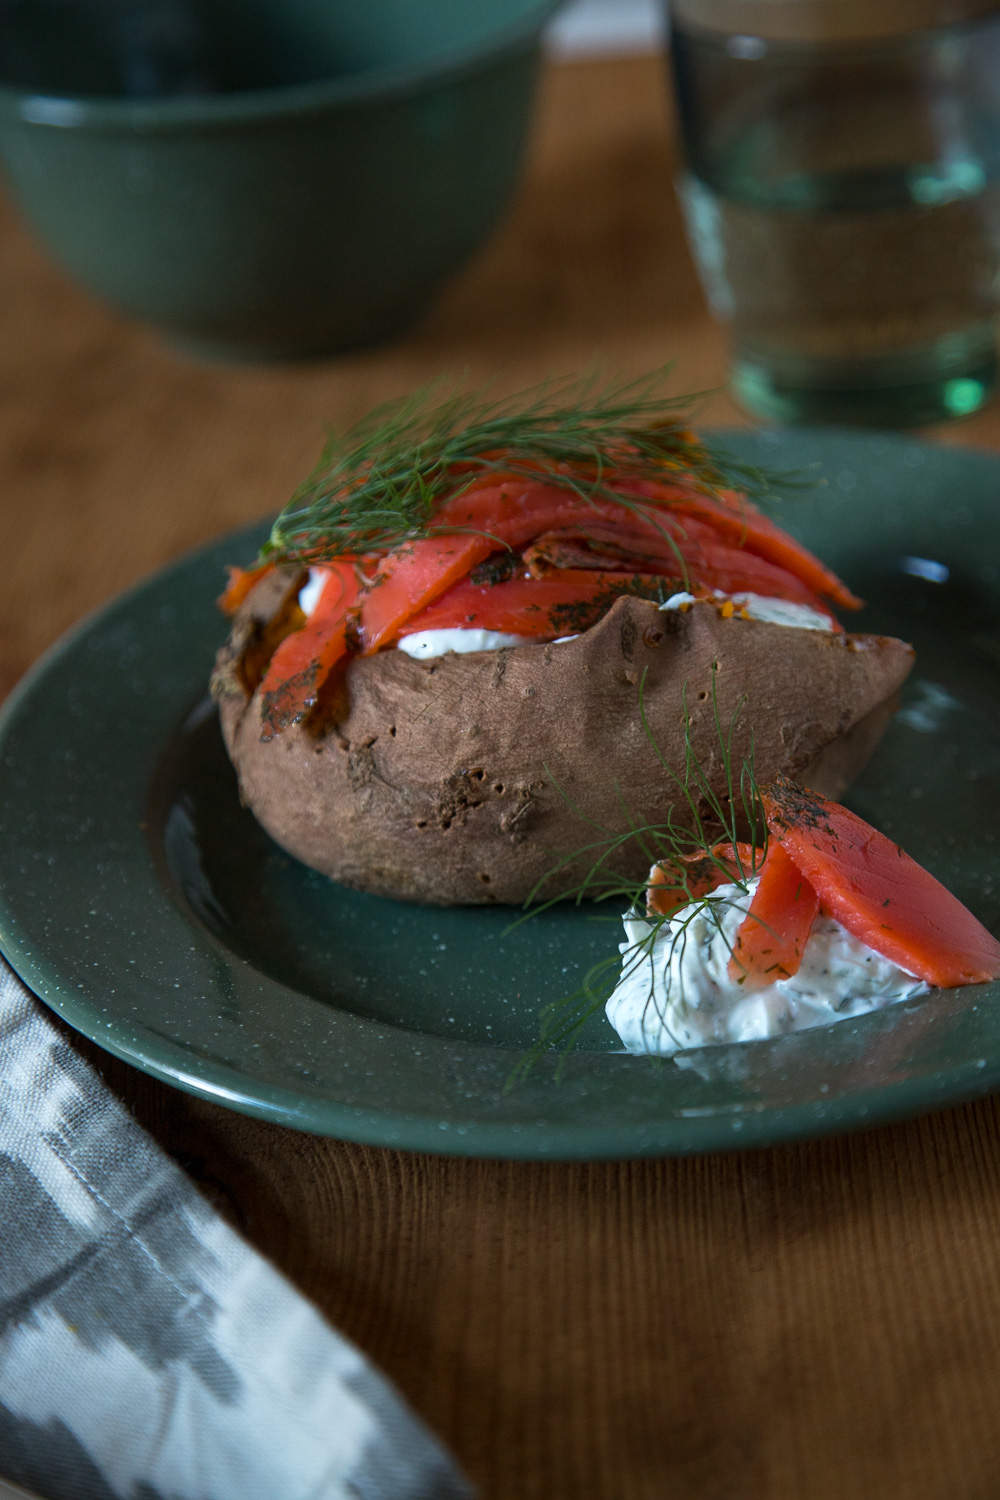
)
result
[(841, 199)]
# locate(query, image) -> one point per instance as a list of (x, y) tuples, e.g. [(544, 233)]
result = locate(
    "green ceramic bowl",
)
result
[(267, 178)]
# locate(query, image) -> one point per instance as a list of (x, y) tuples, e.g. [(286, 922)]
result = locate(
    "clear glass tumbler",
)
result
[(842, 198)]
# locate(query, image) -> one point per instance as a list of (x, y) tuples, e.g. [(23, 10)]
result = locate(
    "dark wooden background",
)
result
[(820, 1322)]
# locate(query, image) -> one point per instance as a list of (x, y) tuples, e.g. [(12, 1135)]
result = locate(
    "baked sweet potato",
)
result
[(462, 779)]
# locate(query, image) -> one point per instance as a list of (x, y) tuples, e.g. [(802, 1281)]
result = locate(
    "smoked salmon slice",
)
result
[(241, 581), (737, 521), (303, 662), (691, 556), (562, 603), (878, 892), (771, 940), (411, 579), (688, 877), (743, 525)]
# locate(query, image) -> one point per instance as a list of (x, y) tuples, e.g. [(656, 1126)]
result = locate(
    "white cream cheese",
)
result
[(678, 601), (781, 612), (760, 607), (675, 991), (309, 592), (425, 643)]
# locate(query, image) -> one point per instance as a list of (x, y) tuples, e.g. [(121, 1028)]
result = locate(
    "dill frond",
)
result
[(705, 820), (380, 483)]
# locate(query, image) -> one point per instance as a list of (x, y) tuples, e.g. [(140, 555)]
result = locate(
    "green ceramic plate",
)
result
[(147, 908)]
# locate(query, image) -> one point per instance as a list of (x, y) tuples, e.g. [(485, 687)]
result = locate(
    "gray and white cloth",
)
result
[(146, 1351)]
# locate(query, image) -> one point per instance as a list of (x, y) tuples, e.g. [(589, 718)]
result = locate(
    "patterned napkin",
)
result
[(146, 1352)]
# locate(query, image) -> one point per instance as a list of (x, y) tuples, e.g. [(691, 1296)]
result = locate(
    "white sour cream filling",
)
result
[(309, 592), (781, 612), (675, 991), (424, 643), (760, 607)]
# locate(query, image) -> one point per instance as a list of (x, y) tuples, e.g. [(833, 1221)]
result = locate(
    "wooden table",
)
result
[(810, 1323)]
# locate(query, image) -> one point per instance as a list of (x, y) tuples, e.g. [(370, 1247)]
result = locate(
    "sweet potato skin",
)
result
[(450, 781)]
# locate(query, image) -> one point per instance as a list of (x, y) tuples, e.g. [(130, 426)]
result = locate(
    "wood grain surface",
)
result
[(819, 1322)]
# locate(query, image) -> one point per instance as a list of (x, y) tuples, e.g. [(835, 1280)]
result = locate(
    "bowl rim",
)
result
[(256, 106)]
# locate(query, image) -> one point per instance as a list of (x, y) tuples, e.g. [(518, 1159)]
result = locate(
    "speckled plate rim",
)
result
[(295, 1061)]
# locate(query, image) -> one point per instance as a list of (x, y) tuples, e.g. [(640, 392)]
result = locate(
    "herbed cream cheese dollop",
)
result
[(675, 992)]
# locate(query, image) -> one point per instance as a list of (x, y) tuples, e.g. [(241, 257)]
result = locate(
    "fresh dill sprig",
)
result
[(698, 824), (380, 483)]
